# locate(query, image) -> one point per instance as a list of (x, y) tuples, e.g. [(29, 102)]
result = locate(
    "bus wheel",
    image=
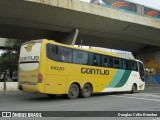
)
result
[(134, 88), (73, 91), (86, 91)]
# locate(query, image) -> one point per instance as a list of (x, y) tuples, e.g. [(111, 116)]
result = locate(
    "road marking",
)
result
[(92, 101), (157, 100), (144, 95), (96, 100)]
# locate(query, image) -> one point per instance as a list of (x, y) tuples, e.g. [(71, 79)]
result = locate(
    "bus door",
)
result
[(51, 84), (61, 88), (55, 84)]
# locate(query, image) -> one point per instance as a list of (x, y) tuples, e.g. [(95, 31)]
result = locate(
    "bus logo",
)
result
[(29, 47)]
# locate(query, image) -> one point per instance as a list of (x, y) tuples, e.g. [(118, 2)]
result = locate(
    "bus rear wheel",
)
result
[(73, 91), (86, 91)]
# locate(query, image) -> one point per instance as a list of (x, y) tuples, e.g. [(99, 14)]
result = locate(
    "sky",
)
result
[(149, 3)]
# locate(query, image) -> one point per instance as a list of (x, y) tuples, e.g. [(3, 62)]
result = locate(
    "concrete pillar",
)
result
[(151, 60), (71, 39), (140, 9)]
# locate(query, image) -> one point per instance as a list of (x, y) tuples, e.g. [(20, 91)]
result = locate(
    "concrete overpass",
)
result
[(69, 20)]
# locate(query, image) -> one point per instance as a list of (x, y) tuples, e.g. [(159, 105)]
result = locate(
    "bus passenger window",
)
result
[(91, 55), (110, 64), (53, 52), (134, 66), (94, 59), (97, 59), (62, 58), (126, 64), (50, 52), (57, 53), (116, 63), (104, 61), (66, 55), (80, 57)]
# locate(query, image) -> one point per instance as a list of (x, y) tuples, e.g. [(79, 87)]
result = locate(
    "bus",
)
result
[(52, 68)]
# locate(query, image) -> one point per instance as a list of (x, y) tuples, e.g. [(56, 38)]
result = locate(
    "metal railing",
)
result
[(129, 7)]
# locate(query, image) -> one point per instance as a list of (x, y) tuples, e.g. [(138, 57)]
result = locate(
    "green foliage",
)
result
[(10, 56)]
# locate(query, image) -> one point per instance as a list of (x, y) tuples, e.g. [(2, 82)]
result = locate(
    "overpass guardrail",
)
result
[(129, 7)]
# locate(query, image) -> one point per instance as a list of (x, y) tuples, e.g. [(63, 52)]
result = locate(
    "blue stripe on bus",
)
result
[(116, 79)]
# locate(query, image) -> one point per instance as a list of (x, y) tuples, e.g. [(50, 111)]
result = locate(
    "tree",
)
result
[(10, 56)]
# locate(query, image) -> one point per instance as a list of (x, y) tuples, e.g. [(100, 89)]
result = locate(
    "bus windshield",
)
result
[(141, 71)]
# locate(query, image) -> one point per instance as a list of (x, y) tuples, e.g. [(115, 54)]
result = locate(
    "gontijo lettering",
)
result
[(94, 71), (29, 58)]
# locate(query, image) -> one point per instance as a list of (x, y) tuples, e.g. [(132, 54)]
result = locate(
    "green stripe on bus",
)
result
[(124, 78), (118, 76)]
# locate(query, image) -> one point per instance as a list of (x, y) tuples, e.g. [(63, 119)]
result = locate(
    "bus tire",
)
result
[(73, 91), (86, 90), (134, 88)]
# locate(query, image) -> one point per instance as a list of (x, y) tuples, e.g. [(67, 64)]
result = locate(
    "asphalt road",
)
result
[(148, 100)]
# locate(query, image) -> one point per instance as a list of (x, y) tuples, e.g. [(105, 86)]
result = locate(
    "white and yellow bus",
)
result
[(52, 68)]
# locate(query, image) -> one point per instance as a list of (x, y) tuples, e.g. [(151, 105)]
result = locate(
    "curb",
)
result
[(152, 85), (13, 86)]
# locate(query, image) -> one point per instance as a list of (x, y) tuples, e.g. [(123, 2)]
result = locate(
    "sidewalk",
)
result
[(152, 85), (10, 86)]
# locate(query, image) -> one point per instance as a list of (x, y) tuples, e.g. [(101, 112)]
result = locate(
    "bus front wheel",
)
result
[(134, 88), (86, 91), (73, 91)]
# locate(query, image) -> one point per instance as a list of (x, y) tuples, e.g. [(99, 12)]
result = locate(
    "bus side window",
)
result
[(53, 52), (134, 66), (49, 51), (66, 55), (57, 54), (97, 59), (117, 63), (91, 55), (94, 59), (110, 62), (104, 61), (120, 64), (80, 57), (126, 64)]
